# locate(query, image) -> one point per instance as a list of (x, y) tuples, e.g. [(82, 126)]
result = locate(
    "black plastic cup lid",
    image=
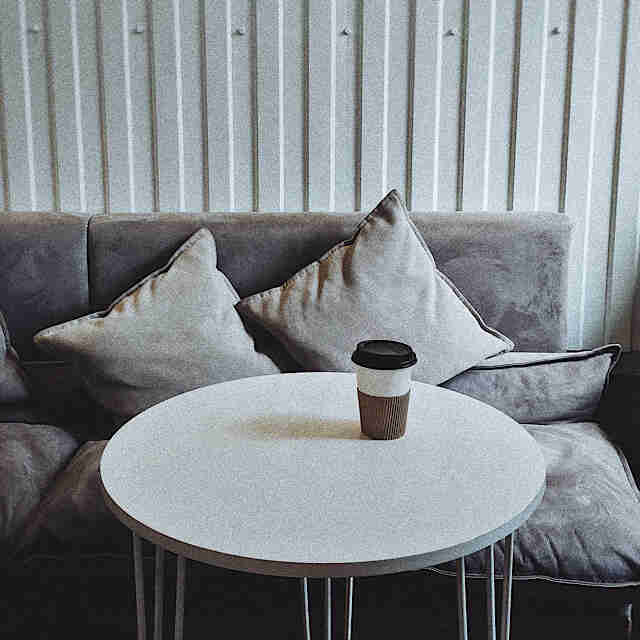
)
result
[(384, 354)]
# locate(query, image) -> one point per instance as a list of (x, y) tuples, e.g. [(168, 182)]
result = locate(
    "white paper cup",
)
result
[(383, 380)]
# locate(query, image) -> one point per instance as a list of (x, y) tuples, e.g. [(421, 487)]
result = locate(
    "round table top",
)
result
[(272, 475)]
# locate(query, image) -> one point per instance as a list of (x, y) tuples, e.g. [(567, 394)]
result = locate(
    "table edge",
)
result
[(320, 570)]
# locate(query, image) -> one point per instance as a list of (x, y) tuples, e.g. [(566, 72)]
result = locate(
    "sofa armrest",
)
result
[(619, 411)]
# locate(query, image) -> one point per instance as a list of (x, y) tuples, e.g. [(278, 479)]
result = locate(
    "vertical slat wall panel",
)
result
[(295, 82), (36, 44), (118, 108), (479, 104), (375, 100), (501, 105), (141, 133), (270, 90), (244, 113), (398, 90), (579, 187), (219, 124), (348, 104), (322, 104), (555, 83), (427, 88), (136, 105), (621, 326), (88, 94), (63, 38), (167, 80), (17, 101), (449, 134), (192, 124), (596, 265), (531, 98)]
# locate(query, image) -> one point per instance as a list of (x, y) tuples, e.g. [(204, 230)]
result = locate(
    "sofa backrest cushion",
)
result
[(44, 281), (511, 267)]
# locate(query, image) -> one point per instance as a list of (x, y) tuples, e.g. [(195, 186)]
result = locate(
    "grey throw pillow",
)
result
[(380, 284), (539, 388), (13, 381), (175, 330)]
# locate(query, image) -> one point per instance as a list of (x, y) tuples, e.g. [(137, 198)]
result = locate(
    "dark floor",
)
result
[(246, 606)]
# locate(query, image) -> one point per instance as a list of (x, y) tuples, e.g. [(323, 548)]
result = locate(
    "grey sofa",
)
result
[(55, 267)]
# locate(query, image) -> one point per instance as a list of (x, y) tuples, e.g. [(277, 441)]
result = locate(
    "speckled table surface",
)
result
[(272, 475)]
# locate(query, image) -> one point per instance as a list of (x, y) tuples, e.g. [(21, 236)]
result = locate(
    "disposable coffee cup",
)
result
[(383, 379)]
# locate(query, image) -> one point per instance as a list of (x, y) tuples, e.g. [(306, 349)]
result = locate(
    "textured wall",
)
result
[(140, 105)]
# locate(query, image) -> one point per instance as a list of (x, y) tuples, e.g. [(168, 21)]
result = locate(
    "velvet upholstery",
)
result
[(30, 458), (73, 510), (13, 381), (257, 251), (380, 283), (586, 530), (541, 387), (46, 257), (175, 330)]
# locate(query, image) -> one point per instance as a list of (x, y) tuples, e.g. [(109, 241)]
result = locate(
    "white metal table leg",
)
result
[(327, 608), (506, 587), (491, 594), (462, 599), (139, 579), (180, 578), (159, 594), (304, 588), (348, 608)]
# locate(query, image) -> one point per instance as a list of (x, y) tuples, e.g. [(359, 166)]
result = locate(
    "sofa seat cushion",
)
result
[(73, 514), (31, 455), (586, 530)]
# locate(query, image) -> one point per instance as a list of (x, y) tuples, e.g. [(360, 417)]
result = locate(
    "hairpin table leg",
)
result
[(180, 579), (327, 608), (491, 594), (506, 587), (462, 599), (304, 588), (348, 608), (139, 578), (159, 594)]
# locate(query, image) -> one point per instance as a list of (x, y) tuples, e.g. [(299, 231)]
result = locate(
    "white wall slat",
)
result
[(39, 105), (118, 110), (192, 123), (63, 29), (603, 167), (579, 186), (88, 94), (533, 54), (398, 91), (220, 107), (244, 112), (427, 88), (295, 83), (557, 37), (449, 135), (167, 69), (322, 104), (270, 98), (479, 104), (375, 101), (501, 106), (17, 91), (621, 324)]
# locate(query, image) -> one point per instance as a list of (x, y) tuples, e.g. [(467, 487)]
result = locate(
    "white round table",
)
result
[(272, 475)]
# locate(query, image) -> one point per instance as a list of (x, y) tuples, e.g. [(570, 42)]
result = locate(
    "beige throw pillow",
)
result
[(177, 329), (380, 284)]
